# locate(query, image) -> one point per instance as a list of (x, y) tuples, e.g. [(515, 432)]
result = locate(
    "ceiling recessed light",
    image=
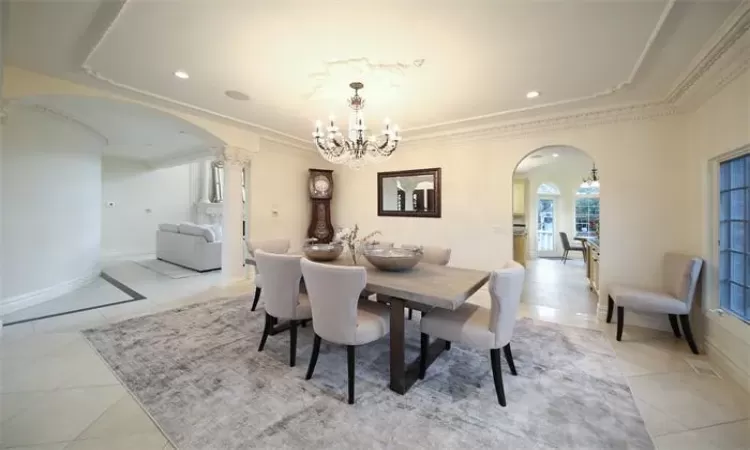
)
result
[(237, 95), (532, 94), (555, 155), (182, 74)]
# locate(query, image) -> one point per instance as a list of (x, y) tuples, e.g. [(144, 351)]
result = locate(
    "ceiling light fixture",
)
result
[(593, 179), (357, 147), (532, 94), (237, 95), (555, 155), (181, 74)]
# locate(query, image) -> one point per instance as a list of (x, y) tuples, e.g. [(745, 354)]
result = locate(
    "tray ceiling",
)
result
[(427, 65)]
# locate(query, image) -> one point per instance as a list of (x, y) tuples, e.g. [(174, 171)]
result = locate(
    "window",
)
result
[(587, 208), (548, 189), (217, 182), (734, 245)]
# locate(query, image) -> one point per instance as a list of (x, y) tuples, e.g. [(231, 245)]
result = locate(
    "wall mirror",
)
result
[(409, 193)]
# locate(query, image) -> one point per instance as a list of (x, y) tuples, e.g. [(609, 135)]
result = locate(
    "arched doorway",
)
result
[(558, 220)]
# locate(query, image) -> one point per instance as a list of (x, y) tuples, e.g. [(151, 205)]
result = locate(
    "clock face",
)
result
[(320, 186)]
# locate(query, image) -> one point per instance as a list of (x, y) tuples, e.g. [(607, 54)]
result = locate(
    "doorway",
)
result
[(545, 229)]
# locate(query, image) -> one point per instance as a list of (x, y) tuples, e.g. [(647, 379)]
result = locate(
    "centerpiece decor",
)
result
[(349, 237)]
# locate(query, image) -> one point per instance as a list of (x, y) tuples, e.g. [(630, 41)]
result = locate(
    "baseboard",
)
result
[(11, 304), (726, 366)]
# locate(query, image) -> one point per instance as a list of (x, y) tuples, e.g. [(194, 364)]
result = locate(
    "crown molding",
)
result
[(60, 115), (712, 55), (236, 156)]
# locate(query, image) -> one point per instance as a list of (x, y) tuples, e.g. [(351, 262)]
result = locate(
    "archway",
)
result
[(555, 223)]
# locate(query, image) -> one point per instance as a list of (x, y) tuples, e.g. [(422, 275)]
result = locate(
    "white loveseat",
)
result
[(189, 245)]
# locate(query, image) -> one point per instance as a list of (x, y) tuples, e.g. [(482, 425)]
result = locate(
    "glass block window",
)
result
[(734, 231)]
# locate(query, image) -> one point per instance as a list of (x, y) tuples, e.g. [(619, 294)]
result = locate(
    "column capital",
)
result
[(234, 155)]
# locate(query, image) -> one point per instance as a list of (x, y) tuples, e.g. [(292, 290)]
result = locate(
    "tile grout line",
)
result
[(705, 427)]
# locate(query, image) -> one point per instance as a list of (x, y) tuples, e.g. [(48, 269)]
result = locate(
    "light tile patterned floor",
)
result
[(56, 393)]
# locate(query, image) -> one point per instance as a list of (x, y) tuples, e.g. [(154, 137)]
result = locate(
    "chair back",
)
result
[(436, 255), (681, 274), (506, 286), (565, 241), (281, 278), (334, 293), (278, 246)]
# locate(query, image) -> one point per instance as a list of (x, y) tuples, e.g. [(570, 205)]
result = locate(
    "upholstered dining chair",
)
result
[(679, 285), (432, 255), (281, 278), (338, 314), (478, 327), (278, 246), (567, 248)]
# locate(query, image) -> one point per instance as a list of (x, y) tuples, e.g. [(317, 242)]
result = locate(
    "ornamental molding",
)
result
[(692, 88), (235, 156)]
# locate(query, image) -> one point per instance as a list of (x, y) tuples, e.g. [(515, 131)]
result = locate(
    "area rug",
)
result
[(167, 269), (197, 372)]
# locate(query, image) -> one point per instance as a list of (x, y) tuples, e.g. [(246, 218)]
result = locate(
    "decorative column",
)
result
[(205, 181), (232, 249)]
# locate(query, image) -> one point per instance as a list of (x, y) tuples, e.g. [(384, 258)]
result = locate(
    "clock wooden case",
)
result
[(320, 187)]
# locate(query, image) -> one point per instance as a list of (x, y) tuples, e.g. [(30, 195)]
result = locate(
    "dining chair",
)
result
[(432, 255), (278, 246), (478, 327), (338, 314), (281, 278), (567, 248), (679, 286)]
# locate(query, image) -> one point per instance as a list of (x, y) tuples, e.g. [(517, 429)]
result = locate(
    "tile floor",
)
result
[(56, 393)]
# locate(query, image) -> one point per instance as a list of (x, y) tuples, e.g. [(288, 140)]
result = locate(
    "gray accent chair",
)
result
[(478, 327), (278, 246), (281, 278), (680, 280), (339, 315)]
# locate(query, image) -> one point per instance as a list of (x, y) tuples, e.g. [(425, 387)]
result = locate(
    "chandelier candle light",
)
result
[(358, 147)]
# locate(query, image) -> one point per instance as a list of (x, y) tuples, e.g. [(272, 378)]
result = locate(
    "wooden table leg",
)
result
[(403, 376)]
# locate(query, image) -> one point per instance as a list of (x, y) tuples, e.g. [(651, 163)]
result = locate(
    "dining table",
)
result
[(423, 287)]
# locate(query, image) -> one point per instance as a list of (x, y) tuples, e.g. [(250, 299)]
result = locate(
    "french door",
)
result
[(545, 228)]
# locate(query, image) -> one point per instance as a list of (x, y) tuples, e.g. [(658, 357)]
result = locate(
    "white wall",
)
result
[(51, 214), (720, 126), (566, 173), (279, 182), (642, 202), (143, 199)]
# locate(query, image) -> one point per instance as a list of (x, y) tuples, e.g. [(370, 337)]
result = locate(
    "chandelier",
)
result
[(593, 179), (358, 147)]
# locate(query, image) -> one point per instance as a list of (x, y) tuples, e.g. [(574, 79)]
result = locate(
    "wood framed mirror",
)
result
[(409, 193)]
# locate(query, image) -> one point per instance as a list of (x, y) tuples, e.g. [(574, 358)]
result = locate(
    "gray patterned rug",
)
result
[(197, 371)]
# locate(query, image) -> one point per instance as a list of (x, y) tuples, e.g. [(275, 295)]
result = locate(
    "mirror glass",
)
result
[(411, 193)]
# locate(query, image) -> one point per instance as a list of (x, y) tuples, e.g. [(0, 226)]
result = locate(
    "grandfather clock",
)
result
[(321, 191)]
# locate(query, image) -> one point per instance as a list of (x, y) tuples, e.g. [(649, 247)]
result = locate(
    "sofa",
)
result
[(196, 247)]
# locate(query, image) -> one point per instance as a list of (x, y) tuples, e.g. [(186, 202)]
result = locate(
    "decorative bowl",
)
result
[(323, 252), (394, 259)]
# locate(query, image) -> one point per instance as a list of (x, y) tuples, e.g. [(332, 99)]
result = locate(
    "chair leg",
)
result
[(685, 321), (509, 359), (447, 345), (255, 300), (350, 364), (565, 257), (610, 308), (266, 332), (292, 342), (620, 319), (675, 326), (313, 357), (410, 313), (424, 345), (497, 374)]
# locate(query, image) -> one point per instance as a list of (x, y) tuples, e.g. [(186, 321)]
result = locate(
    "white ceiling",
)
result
[(427, 64), (132, 131)]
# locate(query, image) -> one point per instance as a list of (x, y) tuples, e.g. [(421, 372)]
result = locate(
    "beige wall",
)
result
[(642, 213), (720, 126)]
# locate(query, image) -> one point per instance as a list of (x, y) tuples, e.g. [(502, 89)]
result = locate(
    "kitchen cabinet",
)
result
[(519, 197), (592, 264), (519, 248)]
